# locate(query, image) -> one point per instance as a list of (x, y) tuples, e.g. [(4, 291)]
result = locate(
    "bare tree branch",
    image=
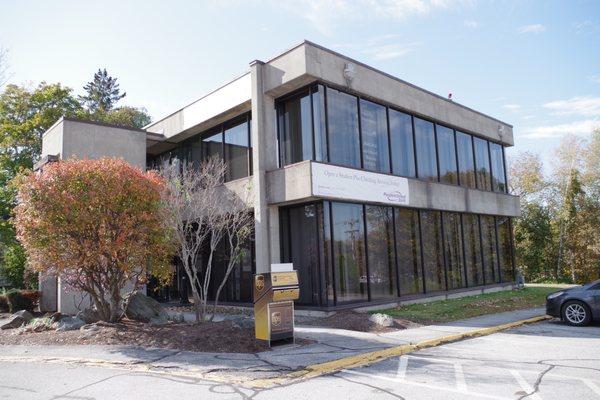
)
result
[(4, 74)]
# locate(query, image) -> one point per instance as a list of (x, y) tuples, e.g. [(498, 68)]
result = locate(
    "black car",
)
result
[(576, 306)]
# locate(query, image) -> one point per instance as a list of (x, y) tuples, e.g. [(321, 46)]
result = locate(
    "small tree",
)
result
[(97, 224), (202, 213), (102, 93)]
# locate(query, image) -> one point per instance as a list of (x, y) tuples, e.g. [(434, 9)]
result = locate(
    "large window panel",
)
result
[(380, 251), (375, 146), (433, 257), (236, 151), (498, 176), (328, 261), (212, 145), (426, 153), (466, 162), (342, 117), (320, 137), (296, 137), (472, 250), (490, 253), (349, 252), (482, 163), (408, 248), (402, 146), (505, 249), (454, 251), (447, 155)]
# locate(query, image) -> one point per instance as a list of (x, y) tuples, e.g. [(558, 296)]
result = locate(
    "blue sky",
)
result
[(533, 64)]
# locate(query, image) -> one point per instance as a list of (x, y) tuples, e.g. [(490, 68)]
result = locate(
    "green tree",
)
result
[(124, 116), (102, 93), (533, 242)]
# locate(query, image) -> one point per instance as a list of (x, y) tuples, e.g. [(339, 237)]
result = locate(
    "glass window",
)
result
[(466, 163), (295, 133), (380, 252), (447, 155), (426, 155), (454, 251), (342, 116), (349, 252), (409, 251), (498, 176), (318, 103), (490, 255), (327, 255), (505, 248), (375, 149), (212, 145), (472, 250), (236, 151), (482, 163), (401, 138), (433, 258)]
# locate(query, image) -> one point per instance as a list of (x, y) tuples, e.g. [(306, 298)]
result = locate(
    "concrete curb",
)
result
[(361, 360)]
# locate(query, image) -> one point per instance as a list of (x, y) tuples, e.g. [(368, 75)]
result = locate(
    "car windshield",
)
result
[(595, 285)]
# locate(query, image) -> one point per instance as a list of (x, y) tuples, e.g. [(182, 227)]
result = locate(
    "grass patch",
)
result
[(473, 306)]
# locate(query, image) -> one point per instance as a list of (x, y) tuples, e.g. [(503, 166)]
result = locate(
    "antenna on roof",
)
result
[(450, 96)]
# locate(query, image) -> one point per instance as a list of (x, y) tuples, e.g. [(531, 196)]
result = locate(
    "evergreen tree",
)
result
[(102, 94)]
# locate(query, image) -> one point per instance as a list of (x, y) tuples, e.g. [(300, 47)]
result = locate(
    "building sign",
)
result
[(351, 184)]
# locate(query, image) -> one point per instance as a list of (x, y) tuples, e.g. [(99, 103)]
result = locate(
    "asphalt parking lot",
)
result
[(542, 361)]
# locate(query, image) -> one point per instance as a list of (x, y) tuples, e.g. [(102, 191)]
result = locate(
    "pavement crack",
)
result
[(394, 395), (538, 382)]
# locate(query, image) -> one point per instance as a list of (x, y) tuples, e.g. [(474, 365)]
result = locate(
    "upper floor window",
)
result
[(426, 154), (482, 164), (466, 162), (295, 129), (344, 137), (498, 175), (236, 149), (402, 144), (447, 155), (374, 131)]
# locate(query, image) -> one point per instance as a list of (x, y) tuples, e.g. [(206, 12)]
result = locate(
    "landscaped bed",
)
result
[(214, 337), (473, 306)]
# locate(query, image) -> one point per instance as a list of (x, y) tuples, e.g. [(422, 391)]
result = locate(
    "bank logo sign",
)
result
[(356, 185)]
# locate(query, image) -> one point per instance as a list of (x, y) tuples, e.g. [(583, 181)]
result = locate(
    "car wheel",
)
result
[(576, 313)]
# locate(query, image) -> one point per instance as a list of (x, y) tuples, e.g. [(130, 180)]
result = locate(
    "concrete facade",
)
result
[(272, 185)]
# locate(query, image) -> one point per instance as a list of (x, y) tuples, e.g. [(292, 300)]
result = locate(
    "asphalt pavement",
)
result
[(541, 361)]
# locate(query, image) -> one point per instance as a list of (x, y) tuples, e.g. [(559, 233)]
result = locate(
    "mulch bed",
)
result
[(215, 337), (355, 321)]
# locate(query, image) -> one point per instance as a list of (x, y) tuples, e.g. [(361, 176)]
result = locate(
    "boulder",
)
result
[(13, 322), (143, 308), (382, 319), (26, 315), (89, 316), (69, 324), (178, 317)]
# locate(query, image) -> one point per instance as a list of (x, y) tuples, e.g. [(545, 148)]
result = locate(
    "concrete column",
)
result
[(264, 158)]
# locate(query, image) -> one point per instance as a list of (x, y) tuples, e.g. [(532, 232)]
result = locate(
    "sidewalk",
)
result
[(330, 344)]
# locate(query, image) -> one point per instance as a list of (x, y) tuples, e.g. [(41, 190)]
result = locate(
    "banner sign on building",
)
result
[(356, 185)]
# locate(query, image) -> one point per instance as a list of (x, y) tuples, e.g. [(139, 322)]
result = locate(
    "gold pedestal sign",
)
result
[(274, 295)]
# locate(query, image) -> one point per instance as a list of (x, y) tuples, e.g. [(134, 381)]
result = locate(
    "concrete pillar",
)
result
[(264, 158), (48, 287)]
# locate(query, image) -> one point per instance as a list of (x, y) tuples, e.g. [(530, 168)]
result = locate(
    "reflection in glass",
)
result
[(466, 163), (212, 145), (505, 248), (318, 100), (454, 251), (409, 251), (472, 250), (349, 252), (447, 155), (426, 154), (236, 151), (375, 149), (401, 138), (498, 176), (482, 163), (342, 115), (296, 132), (433, 258), (380, 252), (490, 255)]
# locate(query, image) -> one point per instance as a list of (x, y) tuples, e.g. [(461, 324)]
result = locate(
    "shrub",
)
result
[(3, 303), (17, 301)]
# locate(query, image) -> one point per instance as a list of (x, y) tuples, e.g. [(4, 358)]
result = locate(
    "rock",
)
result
[(69, 324), (143, 308), (90, 328), (382, 319), (89, 316), (15, 321), (160, 320), (241, 322), (55, 317), (177, 317), (26, 315)]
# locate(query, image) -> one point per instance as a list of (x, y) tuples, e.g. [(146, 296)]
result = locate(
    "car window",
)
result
[(595, 287)]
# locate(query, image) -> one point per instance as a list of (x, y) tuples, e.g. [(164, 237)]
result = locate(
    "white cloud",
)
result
[(594, 79), (390, 51), (533, 28), (586, 26), (584, 127), (587, 106), (512, 107), (472, 24)]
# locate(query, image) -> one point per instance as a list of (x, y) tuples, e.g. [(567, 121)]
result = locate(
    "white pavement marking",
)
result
[(424, 385), (592, 386), (402, 364), (461, 384), (524, 385)]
